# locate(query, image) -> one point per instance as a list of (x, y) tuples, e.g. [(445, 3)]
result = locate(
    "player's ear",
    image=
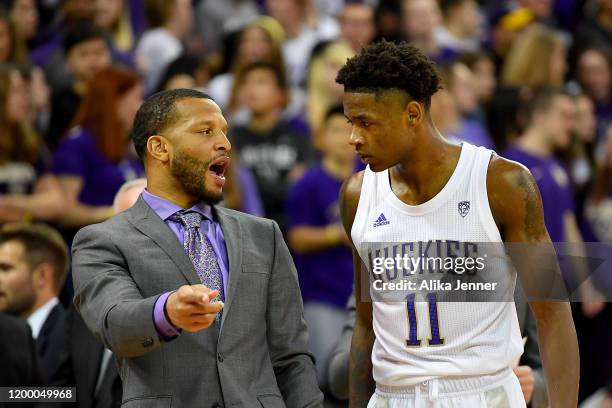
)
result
[(414, 113), (159, 148)]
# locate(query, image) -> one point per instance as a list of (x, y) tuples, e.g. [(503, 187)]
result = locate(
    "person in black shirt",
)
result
[(268, 145)]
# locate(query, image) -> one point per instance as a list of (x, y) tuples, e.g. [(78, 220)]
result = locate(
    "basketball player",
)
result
[(411, 191)]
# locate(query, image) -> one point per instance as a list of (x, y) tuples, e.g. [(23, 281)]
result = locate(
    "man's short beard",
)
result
[(191, 175)]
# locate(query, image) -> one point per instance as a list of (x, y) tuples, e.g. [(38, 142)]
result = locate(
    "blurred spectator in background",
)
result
[(452, 106), (69, 17), (599, 206), (594, 73), (506, 21), (87, 53), (596, 25), (536, 60), (24, 15), (215, 19), (549, 128), (26, 190), (85, 363), (357, 26), (462, 29), (422, 18), (318, 240), (170, 21), (186, 71), (550, 122), (260, 40), (485, 81), (12, 47), (114, 17), (303, 30), (580, 154), (268, 146), (18, 355), (33, 260), (542, 10), (388, 20), (323, 90), (128, 194), (96, 158)]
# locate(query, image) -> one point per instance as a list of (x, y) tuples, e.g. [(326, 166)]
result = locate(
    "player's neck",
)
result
[(431, 155), (534, 142)]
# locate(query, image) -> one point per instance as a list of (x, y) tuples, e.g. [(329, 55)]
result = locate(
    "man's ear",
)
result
[(43, 277), (159, 148), (415, 113)]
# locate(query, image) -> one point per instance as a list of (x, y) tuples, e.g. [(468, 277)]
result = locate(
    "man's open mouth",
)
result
[(219, 166)]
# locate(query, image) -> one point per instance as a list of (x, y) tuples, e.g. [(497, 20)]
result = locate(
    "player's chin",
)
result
[(377, 166)]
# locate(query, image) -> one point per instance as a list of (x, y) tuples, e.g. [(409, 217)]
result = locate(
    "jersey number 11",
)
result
[(435, 339)]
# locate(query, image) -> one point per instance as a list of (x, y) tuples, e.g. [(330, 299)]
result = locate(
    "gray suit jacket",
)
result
[(258, 357), (338, 368)]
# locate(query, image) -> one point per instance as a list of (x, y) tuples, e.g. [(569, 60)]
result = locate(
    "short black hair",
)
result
[(387, 66), (158, 112), (541, 101), (279, 74), (80, 33), (333, 110)]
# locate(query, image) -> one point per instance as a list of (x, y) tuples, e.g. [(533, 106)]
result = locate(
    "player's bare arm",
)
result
[(517, 208), (361, 383)]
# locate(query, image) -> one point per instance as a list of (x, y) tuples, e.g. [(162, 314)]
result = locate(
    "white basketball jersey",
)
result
[(479, 338)]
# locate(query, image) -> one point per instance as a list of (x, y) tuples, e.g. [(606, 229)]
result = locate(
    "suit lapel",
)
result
[(149, 223), (232, 235)]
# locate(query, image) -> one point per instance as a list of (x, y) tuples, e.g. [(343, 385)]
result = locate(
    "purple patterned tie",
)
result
[(201, 252)]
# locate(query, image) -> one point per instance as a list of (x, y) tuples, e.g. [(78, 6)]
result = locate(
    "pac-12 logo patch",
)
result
[(464, 208)]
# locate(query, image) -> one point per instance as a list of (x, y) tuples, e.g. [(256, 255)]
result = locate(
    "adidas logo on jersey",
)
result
[(381, 220)]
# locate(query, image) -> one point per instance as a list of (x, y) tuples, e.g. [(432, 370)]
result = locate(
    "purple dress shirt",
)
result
[(211, 228)]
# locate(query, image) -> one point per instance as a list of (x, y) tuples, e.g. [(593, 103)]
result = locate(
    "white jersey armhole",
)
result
[(479, 183), (362, 207)]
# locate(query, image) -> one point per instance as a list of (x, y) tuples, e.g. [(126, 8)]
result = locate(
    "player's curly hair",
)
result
[(386, 65)]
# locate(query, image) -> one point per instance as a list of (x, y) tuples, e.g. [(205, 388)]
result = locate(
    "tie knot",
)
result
[(190, 219)]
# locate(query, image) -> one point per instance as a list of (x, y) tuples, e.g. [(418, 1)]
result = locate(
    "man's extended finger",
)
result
[(206, 308), (193, 293)]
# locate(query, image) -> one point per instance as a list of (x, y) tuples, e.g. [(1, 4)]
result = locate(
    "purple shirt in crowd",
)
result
[(78, 155), (554, 185), (211, 228), (325, 275), (472, 132)]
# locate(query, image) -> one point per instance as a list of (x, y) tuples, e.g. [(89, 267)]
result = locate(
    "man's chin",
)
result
[(210, 198)]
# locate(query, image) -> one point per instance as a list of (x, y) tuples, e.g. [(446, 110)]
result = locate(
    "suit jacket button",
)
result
[(147, 342), (220, 357)]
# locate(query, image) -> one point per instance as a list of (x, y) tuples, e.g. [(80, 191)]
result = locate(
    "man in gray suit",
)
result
[(529, 372), (199, 304)]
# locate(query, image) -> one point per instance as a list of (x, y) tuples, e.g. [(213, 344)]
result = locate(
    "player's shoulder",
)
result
[(349, 197), (509, 185), (351, 188), (507, 174)]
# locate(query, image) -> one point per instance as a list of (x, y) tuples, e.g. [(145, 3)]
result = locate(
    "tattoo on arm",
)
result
[(533, 221)]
